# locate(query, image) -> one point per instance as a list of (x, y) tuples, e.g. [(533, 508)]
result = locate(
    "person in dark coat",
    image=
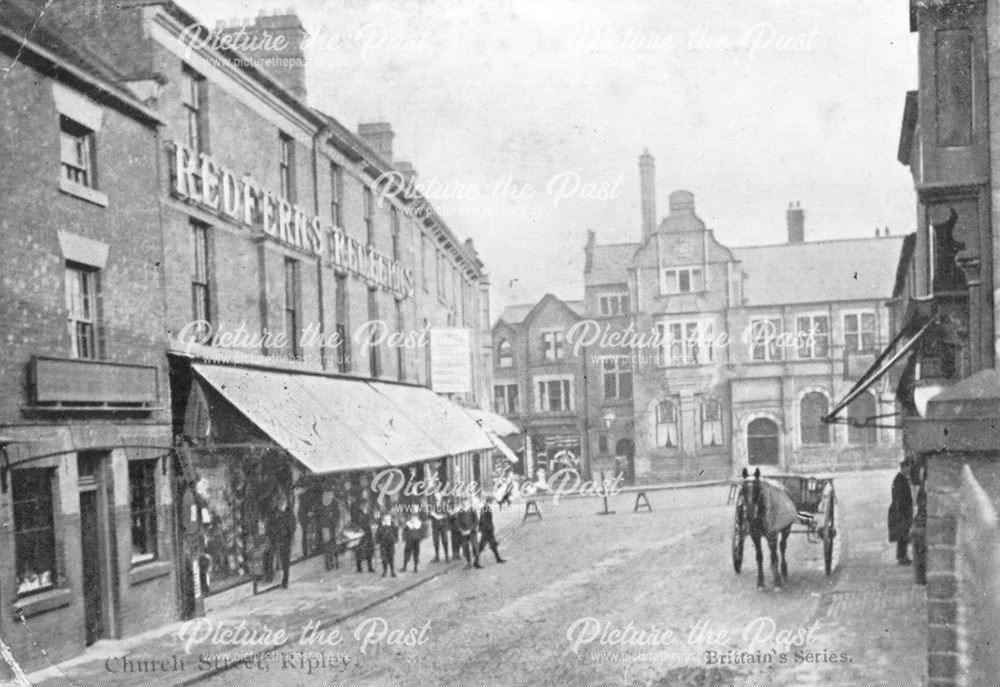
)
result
[(284, 523), (331, 513), (901, 513), (365, 549), (439, 528), (386, 536), (413, 532), (468, 523), (456, 534), (487, 535)]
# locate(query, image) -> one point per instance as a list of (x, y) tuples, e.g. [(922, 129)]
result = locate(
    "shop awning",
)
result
[(502, 446), (446, 423), (896, 351), (492, 422), (329, 424)]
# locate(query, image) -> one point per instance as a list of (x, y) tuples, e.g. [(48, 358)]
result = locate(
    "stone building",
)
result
[(87, 544), (701, 358)]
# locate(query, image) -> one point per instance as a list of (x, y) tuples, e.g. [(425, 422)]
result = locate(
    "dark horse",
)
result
[(754, 504)]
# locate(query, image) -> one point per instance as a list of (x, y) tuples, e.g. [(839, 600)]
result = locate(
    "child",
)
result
[(386, 536), (413, 532)]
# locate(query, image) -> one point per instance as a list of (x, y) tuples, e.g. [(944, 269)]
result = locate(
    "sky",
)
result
[(525, 119)]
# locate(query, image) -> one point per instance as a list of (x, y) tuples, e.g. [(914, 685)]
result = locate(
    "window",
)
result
[(194, 99), (681, 280), (859, 414), (711, 422), (617, 376), (336, 194), (813, 336), (505, 355), (764, 335), (602, 444), (343, 351), (505, 399), (400, 366), (614, 305), (396, 232), (666, 425), (439, 268), (686, 342), (76, 149), (555, 395), (292, 305), (200, 310), (369, 216), (425, 270), (373, 362), (859, 332), (34, 529), (812, 409), (286, 167), (81, 302), (552, 345), (142, 491)]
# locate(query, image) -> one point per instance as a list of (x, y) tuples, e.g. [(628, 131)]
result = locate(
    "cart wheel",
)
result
[(738, 538), (829, 532)]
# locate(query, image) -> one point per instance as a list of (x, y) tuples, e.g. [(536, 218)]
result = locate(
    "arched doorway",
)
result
[(762, 442), (625, 451)]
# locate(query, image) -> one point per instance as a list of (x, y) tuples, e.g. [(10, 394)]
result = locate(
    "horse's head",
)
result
[(752, 496)]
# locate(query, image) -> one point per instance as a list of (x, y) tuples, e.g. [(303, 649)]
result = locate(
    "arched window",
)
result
[(861, 411), (504, 354), (711, 422), (666, 424), (763, 446), (812, 409)]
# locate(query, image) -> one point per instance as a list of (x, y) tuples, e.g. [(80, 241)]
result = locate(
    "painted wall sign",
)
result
[(451, 360), (199, 179)]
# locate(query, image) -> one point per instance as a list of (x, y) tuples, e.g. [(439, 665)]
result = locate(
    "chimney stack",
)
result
[(378, 135), (647, 186), (796, 223), (276, 40)]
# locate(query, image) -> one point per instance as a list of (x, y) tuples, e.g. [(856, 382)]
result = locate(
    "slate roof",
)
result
[(515, 314), (820, 271), (610, 262)]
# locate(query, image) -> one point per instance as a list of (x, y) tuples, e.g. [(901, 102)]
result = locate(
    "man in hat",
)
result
[(901, 513), (439, 527), (468, 523), (487, 535)]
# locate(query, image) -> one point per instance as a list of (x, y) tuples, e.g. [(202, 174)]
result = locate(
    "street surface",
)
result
[(569, 606)]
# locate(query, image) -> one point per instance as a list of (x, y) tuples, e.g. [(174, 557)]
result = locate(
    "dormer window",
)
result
[(505, 356)]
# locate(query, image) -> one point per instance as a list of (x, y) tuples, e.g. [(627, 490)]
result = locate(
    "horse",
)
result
[(756, 496)]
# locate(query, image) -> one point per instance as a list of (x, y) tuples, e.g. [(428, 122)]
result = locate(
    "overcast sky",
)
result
[(523, 111)]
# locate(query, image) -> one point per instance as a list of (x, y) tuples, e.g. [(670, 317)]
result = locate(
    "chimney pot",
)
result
[(647, 193), (796, 218)]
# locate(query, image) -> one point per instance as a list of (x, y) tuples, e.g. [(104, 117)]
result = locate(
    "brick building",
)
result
[(87, 545), (942, 358), (702, 358), (295, 318)]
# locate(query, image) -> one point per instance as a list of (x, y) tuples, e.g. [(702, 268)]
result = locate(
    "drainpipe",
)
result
[(320, 134)]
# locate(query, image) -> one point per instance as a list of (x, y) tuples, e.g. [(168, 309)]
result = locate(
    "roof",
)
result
[(820, 271), (516, 314), (609, 263)]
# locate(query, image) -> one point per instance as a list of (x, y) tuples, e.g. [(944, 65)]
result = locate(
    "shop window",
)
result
[(200, 268), (666, 425), (505, 355), (142, 497), (552, 345), (76, 147), (813, 407), (711, 422), (859, 332), (813, 336), (81, 303), (34, 529)]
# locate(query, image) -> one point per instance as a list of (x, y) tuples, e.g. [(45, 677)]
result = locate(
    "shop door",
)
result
[(95, 554)]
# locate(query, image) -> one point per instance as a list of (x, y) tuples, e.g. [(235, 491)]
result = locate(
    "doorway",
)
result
[(625, 449), (95, 544), (763, 446)]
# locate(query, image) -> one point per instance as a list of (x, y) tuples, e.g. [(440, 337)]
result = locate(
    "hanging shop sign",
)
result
[(199, 179)]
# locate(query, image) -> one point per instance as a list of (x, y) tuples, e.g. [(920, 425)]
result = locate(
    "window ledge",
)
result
[(36, 604), (149, 571), (85, 192)]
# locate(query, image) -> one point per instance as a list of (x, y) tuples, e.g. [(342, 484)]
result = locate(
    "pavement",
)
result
[(511, 624)]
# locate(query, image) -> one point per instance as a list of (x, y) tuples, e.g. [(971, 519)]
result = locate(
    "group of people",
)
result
[(457, 529)]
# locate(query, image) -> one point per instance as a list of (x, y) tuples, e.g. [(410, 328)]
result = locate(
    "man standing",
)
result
[(486, 531), (901, 513), (456, 534), (285, 524), (413, 532), (386, 535), (331, 511), (439, 527), (468, 523), (365, 549)]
